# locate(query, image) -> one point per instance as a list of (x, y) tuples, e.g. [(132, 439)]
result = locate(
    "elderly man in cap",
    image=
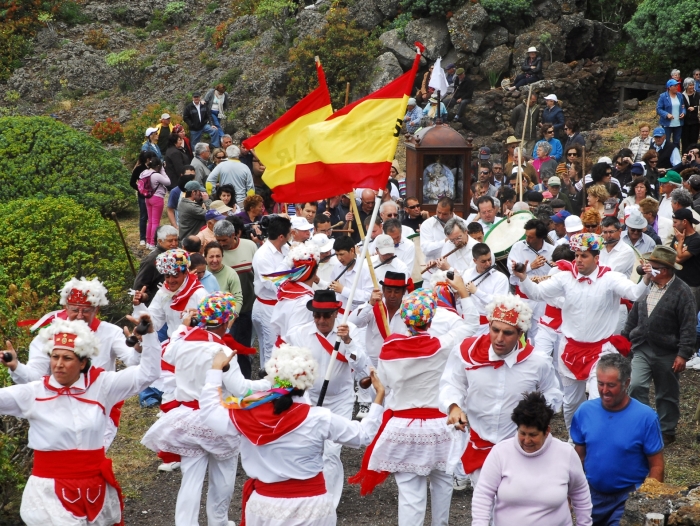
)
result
[(386, 260), (463, 93), (301, 230), (668, 153), (164, 129), (667, 184), (634, 234), (661, 327), (413, 116), (554, 187), (233, 172), (326, 262), (450, 72), (686, 243), (191, 210), (207, 235), (559, 227), (198, 118)]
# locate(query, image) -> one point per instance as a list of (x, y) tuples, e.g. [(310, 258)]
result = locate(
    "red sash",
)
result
[(377, 309), (279, 341), (555, 314), (400, 346), (179, 301), (80, 478), (329, 348), (286, 489), (197, 334), (266, 302), (369, 479), (169, 406), (519, 292), (475, 351), (261, 426), (475, 454), (580, 357), (165, 366), (292, 290)]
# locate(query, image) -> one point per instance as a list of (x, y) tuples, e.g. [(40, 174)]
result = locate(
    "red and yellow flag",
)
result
[(277, 147)]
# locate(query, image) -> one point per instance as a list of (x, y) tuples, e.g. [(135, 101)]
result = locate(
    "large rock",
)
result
[(137, 12), (557, 70), (369, 14), (310, 23), (585, 38), (432, 34), (549, 10), (386, 69), (631, 104), (468, 27), (496, 60), (405, 54), (496, 37), (533, 38)]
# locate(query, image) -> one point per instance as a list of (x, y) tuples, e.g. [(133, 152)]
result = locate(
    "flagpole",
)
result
[(348, 305), (522, 142), (361, 230)]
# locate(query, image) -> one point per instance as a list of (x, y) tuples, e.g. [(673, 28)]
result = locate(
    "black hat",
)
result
[(394, 279), (324, 301), (687, 214)]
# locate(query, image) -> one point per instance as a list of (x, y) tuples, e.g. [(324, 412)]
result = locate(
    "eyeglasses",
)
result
[(591, 227), (549, 131), (324, 315), (413, 207), (73, 309), (566, 128), (634, 229), (392, 215), (654, 161), (607, 174)]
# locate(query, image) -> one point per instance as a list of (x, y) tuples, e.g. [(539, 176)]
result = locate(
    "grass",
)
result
[(619, 137)]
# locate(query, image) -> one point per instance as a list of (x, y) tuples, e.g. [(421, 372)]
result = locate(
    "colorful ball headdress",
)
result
[(293, 367), (172, 262), (511, 310), (417, 309), (585, 241), (302, 259), (75, 336), (216, 309), (88, 293)]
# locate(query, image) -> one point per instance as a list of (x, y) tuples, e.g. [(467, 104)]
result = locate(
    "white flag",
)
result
[(438, 81)]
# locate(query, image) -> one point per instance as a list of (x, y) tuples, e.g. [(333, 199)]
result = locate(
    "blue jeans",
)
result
[(217, 123), (150, 397), (195, 136), (673, 134), (609, 507), (143, 218)]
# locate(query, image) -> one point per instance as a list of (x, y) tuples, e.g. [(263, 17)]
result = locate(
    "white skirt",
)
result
[(41, 507), (302, 511), (181, 431), (412, 446)]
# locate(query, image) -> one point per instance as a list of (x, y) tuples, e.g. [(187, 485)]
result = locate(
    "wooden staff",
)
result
[(347, 93), (583, 178), (522, 142), (361, 231), (126, 248), (435, 264)]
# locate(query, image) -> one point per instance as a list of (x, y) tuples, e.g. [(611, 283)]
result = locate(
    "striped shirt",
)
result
[(241, 260), (655, 294)]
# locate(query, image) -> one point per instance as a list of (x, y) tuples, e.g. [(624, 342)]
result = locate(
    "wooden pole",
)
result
[(347, 93), (361, 230), (126, 248), (583, 178), (522, 142)]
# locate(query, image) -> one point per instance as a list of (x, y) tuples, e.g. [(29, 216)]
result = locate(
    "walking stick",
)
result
[(583, 178), (126, 248), (522, 142), (347, 93)]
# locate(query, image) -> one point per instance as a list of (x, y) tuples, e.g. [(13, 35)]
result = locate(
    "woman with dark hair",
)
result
[(282, 438), (179, 130), (532, 476), (227, 194), (253, 209), (651, 161), (154, 204), (141, 165), (639, 189), (176, 159), (622, 170), (547, 132)]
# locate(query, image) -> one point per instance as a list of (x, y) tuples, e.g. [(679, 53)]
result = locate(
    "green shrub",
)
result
[(280, 15), (72, 13), (231, 77), (400, 22), (347, 54), (142, 119), (500, 10), (43, 157), (175, 13), (422, 8), (126, 64), (157, 23)]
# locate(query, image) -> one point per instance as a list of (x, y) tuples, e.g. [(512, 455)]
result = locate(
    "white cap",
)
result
[(165, 116), (520, 206), (411, 102), (300, 223), (552, 96), (323, 243), (532, 49), (384, 244), (573, 224), (606, 160), (150, 131)]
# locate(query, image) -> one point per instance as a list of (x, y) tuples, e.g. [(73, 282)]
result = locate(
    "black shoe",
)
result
[(668, 439)]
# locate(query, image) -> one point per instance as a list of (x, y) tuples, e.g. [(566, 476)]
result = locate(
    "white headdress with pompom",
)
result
[(85, 344), (303, 252), (293, 365), (94, 290), (439, 276), (511, 310)]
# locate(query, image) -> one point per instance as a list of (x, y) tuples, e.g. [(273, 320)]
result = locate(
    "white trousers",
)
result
[(413, 498), (575, 394), (266, 334), (546, 342), (537, 312), (333, 470), (222, 480)]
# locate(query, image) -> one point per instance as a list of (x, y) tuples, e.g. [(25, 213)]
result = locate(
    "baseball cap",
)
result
[(694, 182), (300, 223), (573, 224), (552, 96), (323, 242), (610, 207), (671, 177), (384, 244), (411, 102), (450, 66), (687, 214), (637, 168), (672, 82), (484, 152), (460, 71), (214, 214), (659, 132), (560, 217), (150, 131), (194, 186), (165, 116), (554, 181), (606, 160)]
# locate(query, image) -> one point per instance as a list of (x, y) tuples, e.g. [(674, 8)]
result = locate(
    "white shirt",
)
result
[(160, 310), (462, 325), (488, 396), (665, 209), (364, 286), (324, 272), (521, 252), (268, 259), (492, 284), (620, 259), (364, 317), (462, 260), (665, 230), (66, 423), (643, 246), (394, 265), (406, 231), (590, 311), (112, 346), (406, 252), (432, 237), (299, 453), (288, 314)]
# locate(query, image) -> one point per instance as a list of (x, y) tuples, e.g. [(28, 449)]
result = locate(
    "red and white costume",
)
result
[(548, 335), (283, 455), (462, 260), (181, 430), (72, 483), (393, 265), (364, 286), (493, 283), (589, 318)]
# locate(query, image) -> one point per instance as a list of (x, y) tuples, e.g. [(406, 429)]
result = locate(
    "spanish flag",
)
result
[(277, 147)]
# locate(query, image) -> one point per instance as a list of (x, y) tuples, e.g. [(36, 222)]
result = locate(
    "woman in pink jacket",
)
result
[(154, 205)]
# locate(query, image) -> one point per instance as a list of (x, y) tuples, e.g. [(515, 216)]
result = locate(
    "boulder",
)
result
[(585, 38), (369, 14), (533, 38), (549, 10), (309, 23), (631, 104), (557, 70), (496, 60), (467, 27), (386, 69), (404, 53), (432, 34), (496, 37)]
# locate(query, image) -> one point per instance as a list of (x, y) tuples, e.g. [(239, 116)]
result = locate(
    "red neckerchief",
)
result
[(400, 346), (329, 348), (291, 290), (475, 351), (262, 426), (377, 309), (568, 266), (179, 301), (197, 334), (47, 319), (74, 392)]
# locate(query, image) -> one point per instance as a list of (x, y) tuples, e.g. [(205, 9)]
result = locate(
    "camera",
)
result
[(249, 229), (450, 275)]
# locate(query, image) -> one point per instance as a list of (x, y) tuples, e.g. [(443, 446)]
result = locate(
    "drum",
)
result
[(637, 261), (419, 260), (506, 232)]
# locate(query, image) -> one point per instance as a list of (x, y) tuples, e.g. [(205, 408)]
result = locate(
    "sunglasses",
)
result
[(324, 315), (589, 227), (220, 157), (392, 215), (549, 131), (413, 207), (483, 173), (653, 162), (634, 229), (572, 154)]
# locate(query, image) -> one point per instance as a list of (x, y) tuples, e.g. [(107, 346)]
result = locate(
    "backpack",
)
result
[(144, 185)]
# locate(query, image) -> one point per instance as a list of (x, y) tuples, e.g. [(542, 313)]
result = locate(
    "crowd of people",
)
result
[(458, 365)]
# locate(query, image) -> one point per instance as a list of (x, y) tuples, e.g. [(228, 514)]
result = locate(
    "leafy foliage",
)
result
[(347, 53), (109, 131), (126, 64), (43, 157), (142, 119), (72, 13), (500, 10), (666, 28), (422, 8), (175, 13), (97, 38), (280, 14)]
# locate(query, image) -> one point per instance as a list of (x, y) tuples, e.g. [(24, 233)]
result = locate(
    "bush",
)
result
[(43, 157), (126, 64), (72, 13), (109, 131), (500, 10), (280, 15), (97, 38), (175, 13), (142, 119), (421, 8), (347, 54)]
